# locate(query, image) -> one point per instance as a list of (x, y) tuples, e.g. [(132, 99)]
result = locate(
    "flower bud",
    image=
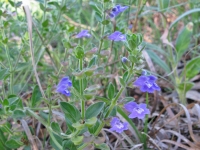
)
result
[(124, 59)]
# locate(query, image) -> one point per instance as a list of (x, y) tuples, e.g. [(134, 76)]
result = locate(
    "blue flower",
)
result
[(124, 59), (64, 85), (118, 126), (117, 36), (116, 10), (137, 111), (83, 33), (147, 83)]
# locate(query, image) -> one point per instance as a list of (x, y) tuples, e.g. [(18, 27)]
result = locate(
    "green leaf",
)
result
[(122, 83), (77, 140), (94, 128), (125, 75), (128, 99), (96, 7), (133, 58), (15, 102), (71, 110), (3, 73), (67, 144), (18, 114), (105, 22), (158, 61), (102, 146), (54, 4), (103, 99), (11, 3), (185, 86), (36, 96), (94, 110), (56, 127), (110, 91), (42, 6), (72, 114), (192, 68), (93, 61), (90, 122), (45, 23), (98, 17), (183, 15), (2, 140), (183, 40), (78, 126), (13, 143), (163, 4), (79, 52), (22, 66)]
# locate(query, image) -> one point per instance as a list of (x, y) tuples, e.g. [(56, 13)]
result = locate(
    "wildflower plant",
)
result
[(136, 110), (77, 60), (118, 126)]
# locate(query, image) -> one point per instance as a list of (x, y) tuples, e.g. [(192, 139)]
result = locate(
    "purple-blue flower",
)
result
[(116, 10), (136, 110), (124, 59), (118, 126), (117, 36), (147, 83), (83, 33), (64, 85)]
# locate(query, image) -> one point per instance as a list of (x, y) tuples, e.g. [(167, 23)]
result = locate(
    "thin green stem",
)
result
[(99, 128), (102, 32), (114, 101), (55, 141), (44, 108), (146, 123), (81, 90), (50, 113), (44, 14)]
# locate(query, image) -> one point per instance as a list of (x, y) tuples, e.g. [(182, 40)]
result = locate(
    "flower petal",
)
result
[(130, 106)]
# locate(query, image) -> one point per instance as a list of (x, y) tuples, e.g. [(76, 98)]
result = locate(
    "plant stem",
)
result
[(146, 123), (114, 101), (102, 32), (81, 90), (44, 108)]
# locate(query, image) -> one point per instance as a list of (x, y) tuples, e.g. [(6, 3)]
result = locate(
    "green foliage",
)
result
[(100, 81), (72, 114), (183, 40), (36, 96), (94, 110), (110, 91), (192, 68)]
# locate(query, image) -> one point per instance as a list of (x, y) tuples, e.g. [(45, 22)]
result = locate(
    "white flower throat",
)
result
[(139, 110), (148, 84), (119, 125)]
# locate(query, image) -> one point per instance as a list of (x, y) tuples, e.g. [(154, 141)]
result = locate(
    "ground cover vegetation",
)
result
[(99, 74)]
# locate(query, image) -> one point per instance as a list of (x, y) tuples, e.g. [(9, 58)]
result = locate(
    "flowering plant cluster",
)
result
[(147, 83), (64, 85), (83, 62), (116, 10)]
